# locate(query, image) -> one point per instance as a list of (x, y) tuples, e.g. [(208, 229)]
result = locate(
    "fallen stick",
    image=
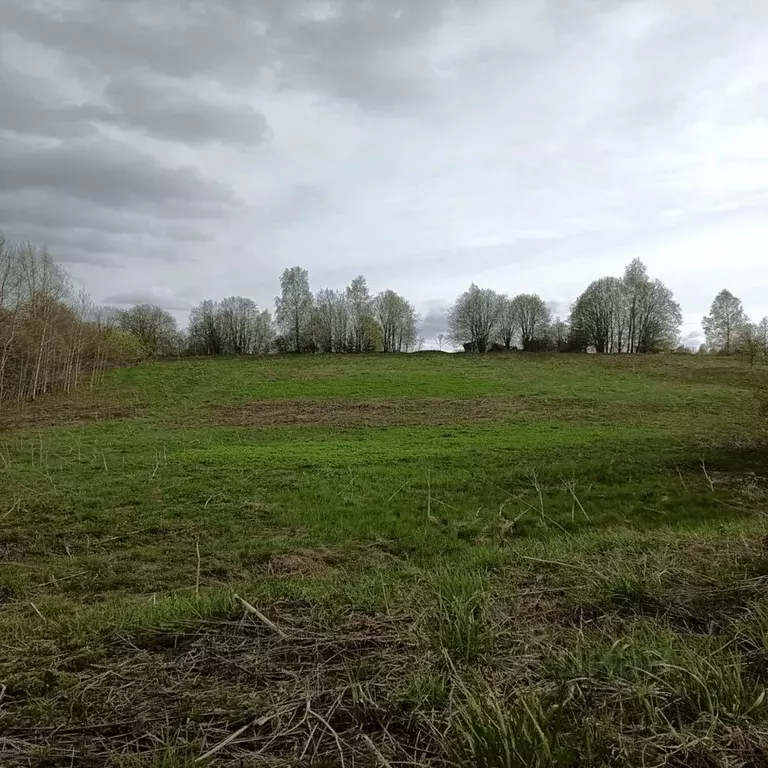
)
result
[(232, 736), (259, 615), (383, 762)]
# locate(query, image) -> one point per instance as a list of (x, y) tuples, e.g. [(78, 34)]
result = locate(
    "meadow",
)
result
[(425, 559)]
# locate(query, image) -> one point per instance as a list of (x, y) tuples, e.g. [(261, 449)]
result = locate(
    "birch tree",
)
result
[(360, 305), (154, 327), (294, 307), (530, 319), (474, 318), (724, 323), (397, 322)]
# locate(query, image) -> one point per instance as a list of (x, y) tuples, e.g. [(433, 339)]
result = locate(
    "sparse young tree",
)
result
[(440, 338), (762, 330), (724, 323), (50, 334), (474, 318), (294, 307), (559, 333), (750, 343), (531, 318)]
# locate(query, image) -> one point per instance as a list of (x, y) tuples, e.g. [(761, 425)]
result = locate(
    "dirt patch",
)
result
[(423, 411), (302, 562), (56, 412)]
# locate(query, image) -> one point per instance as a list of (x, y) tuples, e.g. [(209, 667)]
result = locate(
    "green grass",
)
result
[(520, 560)]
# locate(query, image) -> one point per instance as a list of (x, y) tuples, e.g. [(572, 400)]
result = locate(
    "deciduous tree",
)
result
[(724, 323), (294, 307), (531, 318), (474, 318)]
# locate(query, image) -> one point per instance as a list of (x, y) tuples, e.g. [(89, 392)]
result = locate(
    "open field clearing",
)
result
[(388, 560)]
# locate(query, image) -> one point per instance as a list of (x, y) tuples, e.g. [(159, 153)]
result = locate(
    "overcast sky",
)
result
[(173, 150)]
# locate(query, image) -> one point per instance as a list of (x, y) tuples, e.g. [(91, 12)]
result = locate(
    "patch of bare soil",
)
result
[(57, 412), (302, 562), (347, 412)]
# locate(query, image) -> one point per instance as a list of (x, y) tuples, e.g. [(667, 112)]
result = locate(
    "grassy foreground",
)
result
[(408, 560)]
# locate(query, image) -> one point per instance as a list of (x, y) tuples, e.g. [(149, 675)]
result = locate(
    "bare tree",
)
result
[(12, 299), (724, 323), (750, 343), (531, 318), (651, 316), (630, 314), (330, 321), (154, 327), (507, 330), (204, 329), (762, 330), (294, 307), (360, 305), (559, 333), (104, 317), (473, 319), (48, 335), (397, 321), (440, 338), (243, 328), (596, 315)]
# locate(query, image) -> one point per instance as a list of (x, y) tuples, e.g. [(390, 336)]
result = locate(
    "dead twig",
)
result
[(330, 729), (706, 474), (401, 488), (120, 536), (54, 581), (259, 615), (197, 573), (382, 761), (239, 732)]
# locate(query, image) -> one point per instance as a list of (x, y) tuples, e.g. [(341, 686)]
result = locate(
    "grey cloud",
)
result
[(114, 34), (410, 144), (173, 114), (162, 297), (107, 173), (435, 321), (24, 114), (349, 52), (81, 233)]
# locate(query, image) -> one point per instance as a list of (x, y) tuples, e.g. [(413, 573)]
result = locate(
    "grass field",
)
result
[(408, 560)]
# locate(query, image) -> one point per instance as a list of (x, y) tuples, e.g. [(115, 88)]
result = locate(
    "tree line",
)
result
[(52, 336), (631, 314)]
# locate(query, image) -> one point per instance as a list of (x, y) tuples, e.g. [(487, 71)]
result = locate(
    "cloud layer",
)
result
[(195, 149)]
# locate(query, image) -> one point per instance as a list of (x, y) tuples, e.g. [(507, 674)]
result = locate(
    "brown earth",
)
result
[(424, 411)]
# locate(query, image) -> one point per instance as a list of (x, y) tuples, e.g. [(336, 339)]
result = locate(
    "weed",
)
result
[(461, 623)]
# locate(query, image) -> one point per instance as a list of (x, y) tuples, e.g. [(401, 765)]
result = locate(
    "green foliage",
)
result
[(528, 733), (460, 623)]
